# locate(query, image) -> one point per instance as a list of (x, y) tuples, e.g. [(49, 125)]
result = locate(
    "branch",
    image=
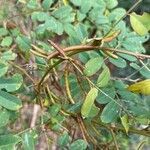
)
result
[(82, 48), (131, 130)]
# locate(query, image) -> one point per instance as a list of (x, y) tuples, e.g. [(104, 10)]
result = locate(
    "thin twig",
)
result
[(134, 6), (131, 130), (114, 139), (144, 65), (79, 120), (68, 91), (22, 70)]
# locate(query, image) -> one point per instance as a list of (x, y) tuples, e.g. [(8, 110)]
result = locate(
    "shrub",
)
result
[(65, 74)]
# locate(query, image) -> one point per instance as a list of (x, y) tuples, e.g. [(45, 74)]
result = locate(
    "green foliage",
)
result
[(93, 65), (28, 140), (78, 144), (140, 24), (12, 84), (110, 112), (103, 78), (9, 101), (77, 94), (89, 102), (9, 141)]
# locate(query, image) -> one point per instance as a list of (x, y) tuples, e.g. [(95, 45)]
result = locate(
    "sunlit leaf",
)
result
[(125, 123), (88, 102), (103, 78), (142, 87), (140, 24), (93, 112)]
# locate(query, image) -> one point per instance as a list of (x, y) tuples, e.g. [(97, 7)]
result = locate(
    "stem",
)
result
[(46, 73), (131, 130), (22, 70), (114, 138), (68, 87), (82, 48)]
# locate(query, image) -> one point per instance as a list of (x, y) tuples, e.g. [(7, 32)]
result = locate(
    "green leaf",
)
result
[(121, 63), (84, 57), (63, 140), (76, 2), (96, 14), (125, 123), (62, 14), (110, 112), (9, 101), (41, 16), (145, 72), (78, 145), (93, 112), (86, 6), (103, 78), (140, 24), (82, 32), (88, 102), (111, 3), (28, 141), (119, 85), (8, 55), (127, 96), (135, 66), (133, 42), (116, 14), (3, 68), (53, 110), (4, 117), (128, 57), (70, 30), (54, 25), (7, 41), (8, 142), (80, 16), (105, 98), (46, 4), (11, 84), (3, 32), (32, 4), (93, 65), (23, 43), (75, 107)]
